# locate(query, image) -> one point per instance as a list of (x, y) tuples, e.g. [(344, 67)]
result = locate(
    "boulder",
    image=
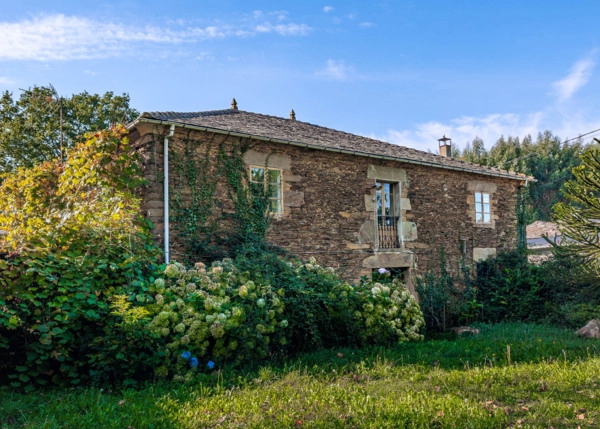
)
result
[(591, 330), (466, 329)]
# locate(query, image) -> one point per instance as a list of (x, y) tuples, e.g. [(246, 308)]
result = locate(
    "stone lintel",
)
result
[(273, 160), (483, 253), (481, 186), (400, 259), (388, 174)]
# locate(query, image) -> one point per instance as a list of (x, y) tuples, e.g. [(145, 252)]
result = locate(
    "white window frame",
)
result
[(266, 185), (483, 208)]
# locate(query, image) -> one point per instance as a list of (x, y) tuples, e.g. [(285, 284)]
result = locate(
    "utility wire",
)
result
[(581, 135)]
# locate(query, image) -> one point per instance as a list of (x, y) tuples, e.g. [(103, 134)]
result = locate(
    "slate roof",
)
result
[(288, 131)]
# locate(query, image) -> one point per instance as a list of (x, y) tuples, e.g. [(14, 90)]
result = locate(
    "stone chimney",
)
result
[(445, 146), (293, 115), (234, 105)]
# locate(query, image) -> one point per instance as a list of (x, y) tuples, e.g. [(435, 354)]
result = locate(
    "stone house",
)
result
[(351, 202)]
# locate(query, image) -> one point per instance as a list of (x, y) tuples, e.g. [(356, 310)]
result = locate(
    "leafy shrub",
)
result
[(576, 315), (216, 315), (74, 240), (231, 314), (511, 289), (390, 314), (557, 291), (448, 299), (323, 310), (317, 302)]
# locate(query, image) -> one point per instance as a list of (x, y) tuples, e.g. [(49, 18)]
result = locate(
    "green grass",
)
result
[(551, 380)]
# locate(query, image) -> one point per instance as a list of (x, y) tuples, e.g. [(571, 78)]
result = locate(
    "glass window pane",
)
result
[(275, 206), (477, 197), (258, 174), (388, 201), (274, 176), (486, 208), (486, 198), (275, 191), (478, 218), (386, 187), (486, 218)]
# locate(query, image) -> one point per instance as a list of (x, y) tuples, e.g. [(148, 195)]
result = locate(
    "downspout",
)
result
[(166, 190)]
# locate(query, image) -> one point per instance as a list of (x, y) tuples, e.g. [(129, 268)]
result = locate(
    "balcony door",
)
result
[(387, 215)]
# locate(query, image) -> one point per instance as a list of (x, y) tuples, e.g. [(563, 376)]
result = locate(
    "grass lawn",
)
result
[(510, 375)]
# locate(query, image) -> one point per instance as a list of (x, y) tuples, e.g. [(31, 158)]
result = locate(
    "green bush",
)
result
[(75, 239), (557, 291), (318, 306), (447, 298), (262, 306), (390, 314), (219, 315), (324, 311)]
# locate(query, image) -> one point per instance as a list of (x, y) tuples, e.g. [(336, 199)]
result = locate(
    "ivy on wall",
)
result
[(204, 229)]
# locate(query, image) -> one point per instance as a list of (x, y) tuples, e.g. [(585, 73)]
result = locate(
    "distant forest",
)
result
[(546, 158)]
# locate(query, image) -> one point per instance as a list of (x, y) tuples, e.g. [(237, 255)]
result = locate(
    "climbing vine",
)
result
[(521, 223), (251, 215), (192, 199), (206, 229)]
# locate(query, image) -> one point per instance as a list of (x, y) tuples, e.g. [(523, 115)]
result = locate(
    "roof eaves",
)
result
[(327, 149)]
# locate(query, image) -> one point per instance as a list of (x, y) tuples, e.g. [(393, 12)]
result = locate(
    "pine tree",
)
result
[(579, 219)]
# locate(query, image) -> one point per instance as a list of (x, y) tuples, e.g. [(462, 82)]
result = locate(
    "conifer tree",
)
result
[(579, 218)]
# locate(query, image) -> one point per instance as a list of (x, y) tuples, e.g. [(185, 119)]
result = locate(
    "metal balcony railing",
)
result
[(387, 231)]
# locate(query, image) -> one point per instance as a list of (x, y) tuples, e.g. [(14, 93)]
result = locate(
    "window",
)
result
[(387, 218), (270, 179), (482, 208)]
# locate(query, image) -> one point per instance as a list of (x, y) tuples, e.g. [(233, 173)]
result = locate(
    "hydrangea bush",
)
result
[(325, 311), (213, 314), (388, 313)]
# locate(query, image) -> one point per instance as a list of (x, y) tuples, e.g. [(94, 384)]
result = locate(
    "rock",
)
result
[(462, 329), (591, 330)]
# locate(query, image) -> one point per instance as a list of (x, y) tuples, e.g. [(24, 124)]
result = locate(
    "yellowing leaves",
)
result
[(87, 202)]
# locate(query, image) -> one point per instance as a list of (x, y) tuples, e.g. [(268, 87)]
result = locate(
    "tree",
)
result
[(475, 152), (579, 219), (41, 125)]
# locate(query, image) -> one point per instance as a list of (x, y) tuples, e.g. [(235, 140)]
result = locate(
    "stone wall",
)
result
[(329, 209)]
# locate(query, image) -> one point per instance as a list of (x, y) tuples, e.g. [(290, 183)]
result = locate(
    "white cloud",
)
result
[(464, 129), (336, 70), (365, 24), (283, 29), (578, 76), (328, 9), (61, 37)]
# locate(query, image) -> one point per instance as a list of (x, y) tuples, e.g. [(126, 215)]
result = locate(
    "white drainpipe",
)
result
[(166, 191)]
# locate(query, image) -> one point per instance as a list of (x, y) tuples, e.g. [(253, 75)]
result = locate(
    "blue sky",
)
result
[(402, 71)]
